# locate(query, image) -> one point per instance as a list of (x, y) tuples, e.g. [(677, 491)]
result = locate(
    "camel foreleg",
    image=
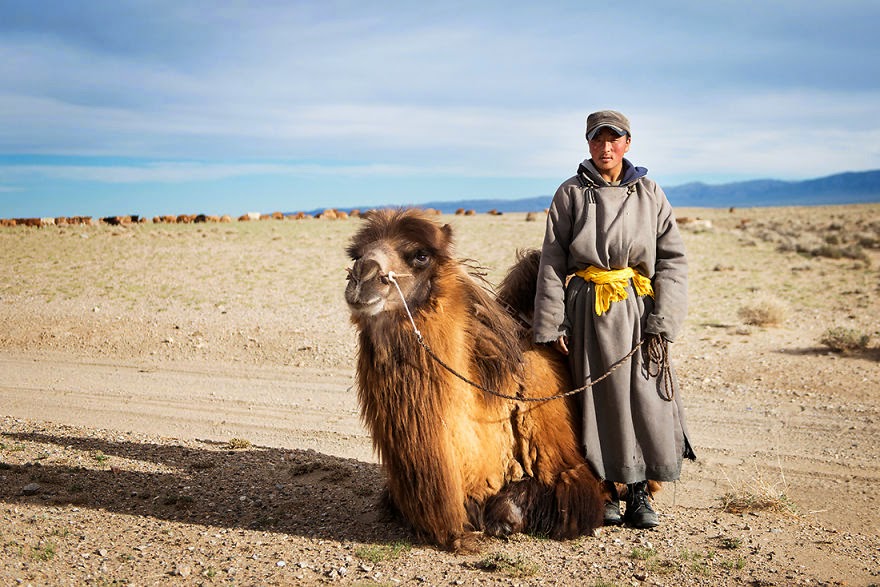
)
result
[(570, 508)]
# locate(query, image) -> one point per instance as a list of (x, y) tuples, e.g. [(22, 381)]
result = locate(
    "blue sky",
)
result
[(168, 107)]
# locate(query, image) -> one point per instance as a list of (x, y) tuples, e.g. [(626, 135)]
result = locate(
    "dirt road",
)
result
[(204, 428)]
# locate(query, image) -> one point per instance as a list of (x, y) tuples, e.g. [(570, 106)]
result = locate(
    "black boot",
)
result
[(639, 512), (612, 506)]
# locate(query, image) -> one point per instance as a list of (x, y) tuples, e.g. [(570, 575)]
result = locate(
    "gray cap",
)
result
[(607, 118)]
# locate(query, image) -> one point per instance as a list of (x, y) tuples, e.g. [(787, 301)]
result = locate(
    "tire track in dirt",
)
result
[(268, 407)]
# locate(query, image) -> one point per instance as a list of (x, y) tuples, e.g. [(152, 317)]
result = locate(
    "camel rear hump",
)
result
[(517, 290)]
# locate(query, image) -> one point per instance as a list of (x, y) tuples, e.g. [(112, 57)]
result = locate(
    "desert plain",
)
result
[(178, 407)]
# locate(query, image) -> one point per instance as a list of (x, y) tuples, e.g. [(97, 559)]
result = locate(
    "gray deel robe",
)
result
[(630, 432)]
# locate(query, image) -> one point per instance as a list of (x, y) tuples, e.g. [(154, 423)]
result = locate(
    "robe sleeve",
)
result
[(670, 275), (549, 320)]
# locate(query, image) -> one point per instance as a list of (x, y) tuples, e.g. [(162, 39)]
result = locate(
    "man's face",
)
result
[(607, 149)]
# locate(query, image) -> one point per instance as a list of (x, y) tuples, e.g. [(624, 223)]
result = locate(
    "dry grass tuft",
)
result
[(238, 444), (845, 340), (505, 564), (763, 311), (833, 250), (745, 501), (377, 553), (757, 495)]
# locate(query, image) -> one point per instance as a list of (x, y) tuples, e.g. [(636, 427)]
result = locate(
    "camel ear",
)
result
[(447, 239)]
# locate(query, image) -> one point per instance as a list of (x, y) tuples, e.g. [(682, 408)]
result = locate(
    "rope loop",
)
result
[(658, 356), (391, 277)]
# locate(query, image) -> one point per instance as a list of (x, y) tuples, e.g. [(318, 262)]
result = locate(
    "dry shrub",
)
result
[(238, 444), (748, 501), (763, 311), (834, 241), (757, 495), (868, 241), (835, 251), (844, 340)]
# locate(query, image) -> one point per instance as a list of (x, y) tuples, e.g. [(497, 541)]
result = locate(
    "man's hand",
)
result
[(561, 344)]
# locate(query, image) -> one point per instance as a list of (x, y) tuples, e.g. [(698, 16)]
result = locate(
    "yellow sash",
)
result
[(611, 285)]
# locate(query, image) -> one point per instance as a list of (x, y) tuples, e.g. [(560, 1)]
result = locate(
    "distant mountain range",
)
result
[(842, 188)]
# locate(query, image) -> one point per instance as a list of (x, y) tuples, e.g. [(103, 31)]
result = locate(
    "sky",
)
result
[(225, 107)]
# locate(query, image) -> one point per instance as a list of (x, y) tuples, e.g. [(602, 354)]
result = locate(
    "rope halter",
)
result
[(390, 276)]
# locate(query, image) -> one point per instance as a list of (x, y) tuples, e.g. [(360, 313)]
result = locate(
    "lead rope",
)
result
[(658, 354), (660, 368), (390, 276)]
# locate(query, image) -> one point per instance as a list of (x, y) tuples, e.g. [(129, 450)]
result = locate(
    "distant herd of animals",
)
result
[(328, 214), (686, 222)]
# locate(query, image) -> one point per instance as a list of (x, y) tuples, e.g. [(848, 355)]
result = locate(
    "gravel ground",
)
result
[(176, 407)]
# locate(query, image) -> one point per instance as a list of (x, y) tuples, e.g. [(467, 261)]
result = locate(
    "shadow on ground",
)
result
[(299, 492), (868, 354)]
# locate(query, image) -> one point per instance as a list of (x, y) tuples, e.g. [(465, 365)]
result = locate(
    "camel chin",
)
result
[(365, 301), (374, 307)]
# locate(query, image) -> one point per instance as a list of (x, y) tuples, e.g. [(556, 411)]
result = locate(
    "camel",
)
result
[(460, 460)]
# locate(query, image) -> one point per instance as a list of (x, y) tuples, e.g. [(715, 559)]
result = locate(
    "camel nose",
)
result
[(366, 269)]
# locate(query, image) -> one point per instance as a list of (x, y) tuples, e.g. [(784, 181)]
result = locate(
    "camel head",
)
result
[(408, 243)]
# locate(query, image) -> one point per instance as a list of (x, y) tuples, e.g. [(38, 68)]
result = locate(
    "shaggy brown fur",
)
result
[(458, 459)]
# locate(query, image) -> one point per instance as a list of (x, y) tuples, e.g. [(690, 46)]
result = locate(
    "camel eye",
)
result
[(420, 259)]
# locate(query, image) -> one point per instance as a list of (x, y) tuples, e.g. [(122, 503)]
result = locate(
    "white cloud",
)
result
[(782, 134), (410, 91)]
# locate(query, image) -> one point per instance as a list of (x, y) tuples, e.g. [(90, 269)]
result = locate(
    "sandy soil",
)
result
[(177, 407)]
